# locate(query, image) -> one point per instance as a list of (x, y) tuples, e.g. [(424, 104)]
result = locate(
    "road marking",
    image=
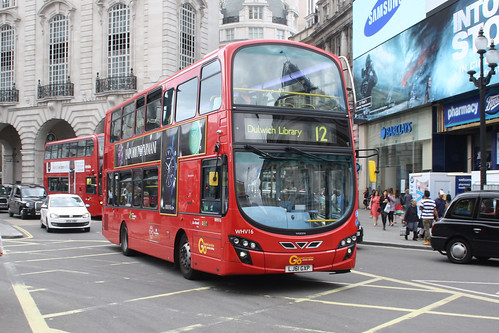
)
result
[(24, 231), (65, 258), (31, 311), (414, 314), (54, 271), (441, 285), (70, 312)]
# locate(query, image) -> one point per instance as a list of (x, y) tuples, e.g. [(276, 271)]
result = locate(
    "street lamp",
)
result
[(492, 57)]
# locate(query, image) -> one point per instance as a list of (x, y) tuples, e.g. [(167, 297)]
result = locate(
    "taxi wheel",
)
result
[(459, 251)]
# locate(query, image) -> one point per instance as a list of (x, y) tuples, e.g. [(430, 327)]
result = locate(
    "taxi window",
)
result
[(489, 208), (464, 208)]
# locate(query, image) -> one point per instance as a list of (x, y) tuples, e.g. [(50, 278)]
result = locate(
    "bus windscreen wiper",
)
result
[(299, 151), (262, 153)]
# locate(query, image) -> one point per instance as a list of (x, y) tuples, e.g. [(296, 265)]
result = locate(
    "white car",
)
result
[(64, 211)]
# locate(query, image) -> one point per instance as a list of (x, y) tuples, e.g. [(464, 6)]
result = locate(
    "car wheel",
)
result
[(87, 229), (124, 241), (184, 259), (459, 251), (24, 215)]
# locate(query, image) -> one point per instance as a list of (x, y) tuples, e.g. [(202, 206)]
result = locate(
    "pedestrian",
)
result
[(441, 203), (383, 201), (411, 220), (366, 198), (375, 207), (428, 214), (407, 199), (391, 202)]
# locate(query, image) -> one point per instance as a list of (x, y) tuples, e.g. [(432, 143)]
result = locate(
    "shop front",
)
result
[(404, 142)]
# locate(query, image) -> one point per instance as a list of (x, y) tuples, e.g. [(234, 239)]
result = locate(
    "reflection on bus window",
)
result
[(187, 100), (211, 88), (287, 77)]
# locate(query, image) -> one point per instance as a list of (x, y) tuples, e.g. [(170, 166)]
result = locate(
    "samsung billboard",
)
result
[(427, 62), (376, 21)]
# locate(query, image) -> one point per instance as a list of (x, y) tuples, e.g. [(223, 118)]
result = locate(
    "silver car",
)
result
[(64, 211)]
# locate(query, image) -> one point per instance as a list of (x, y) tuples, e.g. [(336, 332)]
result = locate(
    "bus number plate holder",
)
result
[(299, 268)]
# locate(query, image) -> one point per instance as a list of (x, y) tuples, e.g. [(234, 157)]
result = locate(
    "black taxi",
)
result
[(469, 228)]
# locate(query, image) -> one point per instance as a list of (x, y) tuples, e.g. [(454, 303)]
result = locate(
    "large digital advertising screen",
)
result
[(426, 62)]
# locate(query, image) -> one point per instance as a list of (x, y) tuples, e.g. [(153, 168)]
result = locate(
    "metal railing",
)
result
[(56, 89), (113, 83), (9, 95)]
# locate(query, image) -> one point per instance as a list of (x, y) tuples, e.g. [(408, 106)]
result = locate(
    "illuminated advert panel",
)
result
[(376, 21), (425, 63)]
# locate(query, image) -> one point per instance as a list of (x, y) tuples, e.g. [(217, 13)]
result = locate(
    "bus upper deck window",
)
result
[(211, 88), (139, 116), (153, 110), (168, 106), (187, 94)]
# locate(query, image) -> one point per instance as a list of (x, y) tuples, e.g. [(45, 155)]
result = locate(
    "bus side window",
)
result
[(110, 189), (128, 121), (211, 88), (153, 110), (150, 197), (168, 106), (125, 188), (139, 116), (214, 186), (137, 188), (91, 185), (187, 94), (115, 126)]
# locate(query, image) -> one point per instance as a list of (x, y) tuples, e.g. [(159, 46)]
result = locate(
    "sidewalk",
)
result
[(8, 231), (390, 236)]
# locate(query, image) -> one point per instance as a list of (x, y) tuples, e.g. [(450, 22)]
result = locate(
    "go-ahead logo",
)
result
[(379, 16), (396, 130)]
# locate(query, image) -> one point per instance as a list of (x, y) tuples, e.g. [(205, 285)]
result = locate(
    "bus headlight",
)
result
[(243, 247), (348, 242)]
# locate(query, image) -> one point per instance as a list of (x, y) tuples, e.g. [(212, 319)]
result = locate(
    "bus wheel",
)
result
[(184, 259), (124, 241)]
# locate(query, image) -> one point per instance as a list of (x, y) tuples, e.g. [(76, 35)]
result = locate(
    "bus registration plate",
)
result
[(299, 268)]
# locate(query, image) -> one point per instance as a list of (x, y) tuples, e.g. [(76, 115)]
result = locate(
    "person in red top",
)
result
[(374, 207)]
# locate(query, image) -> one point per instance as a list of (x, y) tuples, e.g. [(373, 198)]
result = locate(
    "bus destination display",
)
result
[(284, 129)]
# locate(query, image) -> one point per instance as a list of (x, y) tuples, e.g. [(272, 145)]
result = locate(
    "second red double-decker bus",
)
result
[(75, 166), (242, 163)]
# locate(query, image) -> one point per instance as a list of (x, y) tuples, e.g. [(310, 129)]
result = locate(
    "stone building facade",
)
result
[(65, 62)]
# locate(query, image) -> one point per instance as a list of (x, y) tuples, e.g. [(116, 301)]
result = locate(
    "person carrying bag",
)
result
[(411, 219)]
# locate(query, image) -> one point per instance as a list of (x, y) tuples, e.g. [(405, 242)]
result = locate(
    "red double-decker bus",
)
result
[(75, 166), (242, 163)]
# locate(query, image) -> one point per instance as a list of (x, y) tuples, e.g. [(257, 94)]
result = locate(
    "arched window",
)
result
[(58, 49), (118, 41), (187, 35), (6, 57)]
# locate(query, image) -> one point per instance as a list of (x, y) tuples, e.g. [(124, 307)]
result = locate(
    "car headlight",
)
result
[(54, 215), (85, 215)]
